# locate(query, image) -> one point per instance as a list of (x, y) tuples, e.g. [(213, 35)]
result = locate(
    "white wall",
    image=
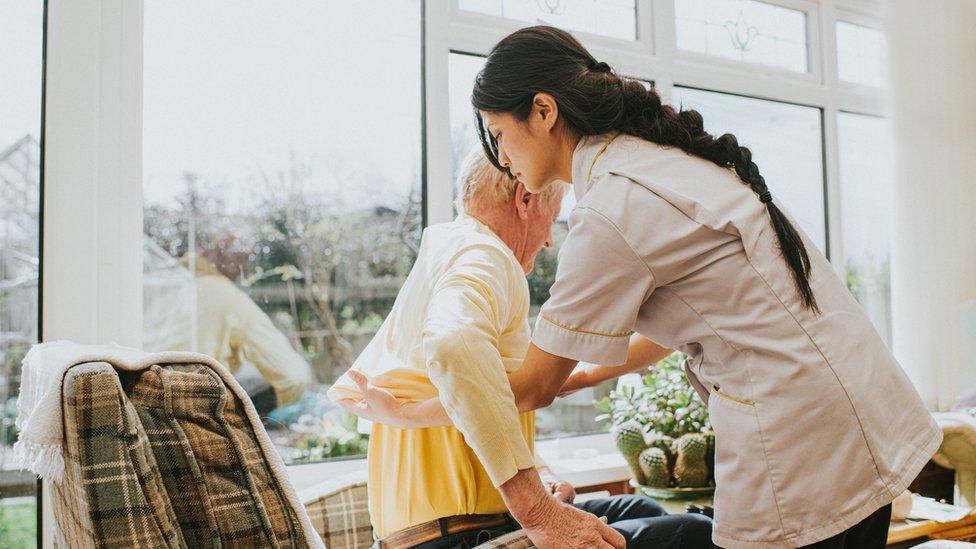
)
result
[(933, 267)]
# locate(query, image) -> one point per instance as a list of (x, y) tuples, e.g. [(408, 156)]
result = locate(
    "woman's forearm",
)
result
[(536, 384), (533, 389), (642, 353)]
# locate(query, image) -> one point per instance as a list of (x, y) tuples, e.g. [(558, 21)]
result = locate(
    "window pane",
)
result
[(786, 143), (866, 179), (21, 30), (614, 18), (861, 55), (744, 30), (462, 70), (282, 194)]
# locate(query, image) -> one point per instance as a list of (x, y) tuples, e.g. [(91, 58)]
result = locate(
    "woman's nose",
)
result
[(503, 158)]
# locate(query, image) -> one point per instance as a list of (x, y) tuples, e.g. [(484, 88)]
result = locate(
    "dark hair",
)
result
[(593, 100)]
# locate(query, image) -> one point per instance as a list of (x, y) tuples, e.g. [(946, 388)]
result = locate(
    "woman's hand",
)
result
[(381, 406), (377, 405)]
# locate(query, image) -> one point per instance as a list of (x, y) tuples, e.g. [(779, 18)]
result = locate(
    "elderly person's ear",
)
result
[(522, 200)]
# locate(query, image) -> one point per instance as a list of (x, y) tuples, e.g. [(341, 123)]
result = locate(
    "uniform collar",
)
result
[(586, 151)]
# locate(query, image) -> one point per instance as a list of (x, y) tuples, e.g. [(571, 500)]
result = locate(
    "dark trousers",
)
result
[(870, 533), (642, 522)]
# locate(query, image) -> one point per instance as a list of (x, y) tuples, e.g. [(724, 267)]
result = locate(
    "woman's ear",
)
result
[(522, 200), (545, 110)]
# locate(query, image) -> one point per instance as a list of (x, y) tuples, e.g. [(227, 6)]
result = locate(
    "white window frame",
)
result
[(91, 278), (93, 206), (654, 57)]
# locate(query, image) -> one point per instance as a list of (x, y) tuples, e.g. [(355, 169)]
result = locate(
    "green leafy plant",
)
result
[(665, 403), (323, 438)]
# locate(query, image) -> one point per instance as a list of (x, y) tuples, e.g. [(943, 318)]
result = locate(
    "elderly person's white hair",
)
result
[(480, 185)]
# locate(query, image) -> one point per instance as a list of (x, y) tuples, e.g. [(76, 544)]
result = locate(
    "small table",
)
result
[(902, 531)]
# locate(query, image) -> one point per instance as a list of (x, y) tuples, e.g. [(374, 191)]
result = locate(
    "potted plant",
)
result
[(661, 428)]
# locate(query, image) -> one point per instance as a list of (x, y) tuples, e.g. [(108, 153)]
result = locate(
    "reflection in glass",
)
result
[(744, 30), (866, 191), (282, 194), (786, 143)]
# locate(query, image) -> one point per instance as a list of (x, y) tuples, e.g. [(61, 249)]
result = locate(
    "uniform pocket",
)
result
[(726, 396), (745, 504)]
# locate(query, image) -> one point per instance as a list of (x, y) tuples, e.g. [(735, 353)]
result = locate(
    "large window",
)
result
[(786, 143), (291, 154), (282, 171), (866, 191), (21, 31)]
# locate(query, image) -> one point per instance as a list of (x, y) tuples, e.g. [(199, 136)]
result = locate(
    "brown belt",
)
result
[(442, 527)]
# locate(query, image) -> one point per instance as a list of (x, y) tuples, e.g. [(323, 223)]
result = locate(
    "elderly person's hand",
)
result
[(567, 527), (549, 522)]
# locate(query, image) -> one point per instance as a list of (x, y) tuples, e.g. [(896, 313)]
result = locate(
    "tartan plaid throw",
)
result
[(167, 456)]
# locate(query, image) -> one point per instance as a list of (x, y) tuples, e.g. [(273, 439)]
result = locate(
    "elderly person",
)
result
[(458, 326)]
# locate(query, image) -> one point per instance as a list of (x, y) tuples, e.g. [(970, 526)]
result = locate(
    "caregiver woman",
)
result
[(677, 237)]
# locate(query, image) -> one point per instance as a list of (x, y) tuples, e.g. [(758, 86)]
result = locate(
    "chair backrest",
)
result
[(165, 457)]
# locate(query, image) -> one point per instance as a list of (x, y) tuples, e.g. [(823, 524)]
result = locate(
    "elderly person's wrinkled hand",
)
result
[(567, 527)]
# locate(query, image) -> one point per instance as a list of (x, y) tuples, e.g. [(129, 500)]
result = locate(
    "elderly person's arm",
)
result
[(469, 309)]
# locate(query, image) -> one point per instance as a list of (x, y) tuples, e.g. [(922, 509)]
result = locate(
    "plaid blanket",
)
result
[(166, 457)]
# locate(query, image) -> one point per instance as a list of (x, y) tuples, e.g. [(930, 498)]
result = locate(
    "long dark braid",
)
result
[(593, 100)]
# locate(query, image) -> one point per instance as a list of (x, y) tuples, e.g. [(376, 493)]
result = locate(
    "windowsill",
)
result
[(587, 460)]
